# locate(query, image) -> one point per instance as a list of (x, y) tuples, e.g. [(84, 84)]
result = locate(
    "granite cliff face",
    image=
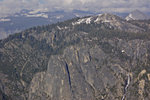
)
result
[(87, 72), (80, 59)]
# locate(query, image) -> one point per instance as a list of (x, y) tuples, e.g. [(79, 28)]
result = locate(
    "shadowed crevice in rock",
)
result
[(127, 82), (3, 96), (67, 70)]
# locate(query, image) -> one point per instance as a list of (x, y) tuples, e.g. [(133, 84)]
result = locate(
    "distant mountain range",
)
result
[(29, 18)]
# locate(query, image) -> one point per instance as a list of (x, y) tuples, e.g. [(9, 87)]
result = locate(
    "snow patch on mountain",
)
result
[(62, 28), (137, 15), (101, 18), (98, 19), (110, 21), (130, 17), (88, 20), (38, 10), (78, 22), (59, 16), (5, 19), (77, 15), (34, 13), (37, 15)]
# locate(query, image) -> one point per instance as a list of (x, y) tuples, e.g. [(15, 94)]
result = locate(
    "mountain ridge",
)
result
[(30, 18), (137, 15), (22, 20), (87, 60)]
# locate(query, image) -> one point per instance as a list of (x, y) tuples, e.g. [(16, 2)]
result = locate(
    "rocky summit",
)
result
[(137, 15), (101, 57)]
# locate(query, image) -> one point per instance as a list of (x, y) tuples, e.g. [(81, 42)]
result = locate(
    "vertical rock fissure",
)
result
[(127, 82), (69, 79), (89, 56)]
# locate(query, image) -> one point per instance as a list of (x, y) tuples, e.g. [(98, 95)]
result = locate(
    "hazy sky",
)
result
[(13, 6)]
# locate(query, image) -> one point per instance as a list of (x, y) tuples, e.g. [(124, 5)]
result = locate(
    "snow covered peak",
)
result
[(86, 20), (109, 21), (101, 18), (137, 15)]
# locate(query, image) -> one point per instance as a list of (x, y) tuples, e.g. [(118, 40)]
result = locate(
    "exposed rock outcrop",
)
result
[(94, 58)]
